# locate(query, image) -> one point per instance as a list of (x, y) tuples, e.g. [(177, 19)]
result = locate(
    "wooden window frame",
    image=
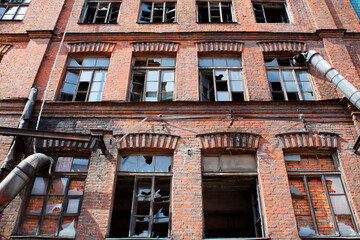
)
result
[(14, 3), (293, 69), (164, 13), (266, 4), (223, 68), (142, 95), (107, 19), (220, 11), (54, 175), (322, 174)]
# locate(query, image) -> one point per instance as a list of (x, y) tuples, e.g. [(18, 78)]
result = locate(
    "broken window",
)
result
[(221, 79), (101, 11), (152, 79), (266, 12), (158, 12), (230, 198), (84, 79), (13, 9), (142, 197), (214, 12), (54, 202), (319, 197), (287, 81)]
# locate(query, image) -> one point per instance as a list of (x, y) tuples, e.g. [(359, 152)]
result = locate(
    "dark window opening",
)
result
[(230, 207), (214, 12), (101, 12), (142, 202), (158, 12), (270, 13)]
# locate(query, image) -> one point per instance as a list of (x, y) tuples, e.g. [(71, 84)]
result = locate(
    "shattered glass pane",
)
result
[(128, 164), (76, 187), (334, 185), (80, 165), (346, 226), (58, 186), (163, 164), (271, 62), (40, 186), (146, 164), (68, 227), (160, 215), (30, 225), (54, 205), (49, 225), (340, 205), (144, 190)]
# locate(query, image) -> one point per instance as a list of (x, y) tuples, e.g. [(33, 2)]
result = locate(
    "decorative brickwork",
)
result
[(155, 47), (282, 46), (308, 139), (219, 46), (229, 140), (148, 140), (54, 143), (82, 47), (4, 48)]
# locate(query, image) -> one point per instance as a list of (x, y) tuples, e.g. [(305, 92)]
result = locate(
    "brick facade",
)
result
[(186, 128)]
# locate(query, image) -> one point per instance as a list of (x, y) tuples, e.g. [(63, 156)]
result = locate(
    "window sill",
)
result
[(41, 237)]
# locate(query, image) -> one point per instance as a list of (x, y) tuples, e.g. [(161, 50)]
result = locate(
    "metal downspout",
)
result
[(16, 180)]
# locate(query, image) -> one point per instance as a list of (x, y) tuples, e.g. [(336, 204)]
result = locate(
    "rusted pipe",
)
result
[(16, 180)]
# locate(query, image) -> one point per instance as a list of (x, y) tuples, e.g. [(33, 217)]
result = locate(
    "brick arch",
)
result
[(4, 48), (85, 47), (226, 140), (308, 140), (148, 141), (155, 47), (288, 46), (219, 46)]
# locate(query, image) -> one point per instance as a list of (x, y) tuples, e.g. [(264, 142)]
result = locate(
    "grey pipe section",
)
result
[(16, 180), (331, 74)]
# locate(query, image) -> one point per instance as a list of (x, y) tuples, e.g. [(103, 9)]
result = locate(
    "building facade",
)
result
[(180, 119)]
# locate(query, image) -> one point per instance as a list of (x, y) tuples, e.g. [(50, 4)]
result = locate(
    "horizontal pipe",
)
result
[(16, 180)]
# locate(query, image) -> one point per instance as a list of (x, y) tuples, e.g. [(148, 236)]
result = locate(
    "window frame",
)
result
[(147, 69), (94, 69), (222, 68), (152, 12), (293, 70), (233, 19), (136, 175), (14, 3), (322, 174), (238, 174), (107, 17), (272, 3), (69, 175)]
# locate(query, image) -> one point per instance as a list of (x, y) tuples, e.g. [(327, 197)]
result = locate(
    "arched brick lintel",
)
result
[(219, 46), (155, 47), (4, 48), (308, 140), (84, 47), (148, 141), (282, 46), (228, 140)]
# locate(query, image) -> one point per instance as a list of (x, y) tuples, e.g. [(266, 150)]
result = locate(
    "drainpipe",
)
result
[(24, 122), (331, 74), (16, 180)]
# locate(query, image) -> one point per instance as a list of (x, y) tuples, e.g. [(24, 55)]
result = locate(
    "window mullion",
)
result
[(209, 12), (43, 210), (253, 204), (90, 85), (152, 12), (107, 13), (228, 84), (283, 85), (348, 202), (311, 205), (330, 205), (158, 97), (298, 89), (133, 209), (63, 206), (214, 81), (96, 12), (151, 217), (163, 12), (143, 97), (220, 12), (263, 12)]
